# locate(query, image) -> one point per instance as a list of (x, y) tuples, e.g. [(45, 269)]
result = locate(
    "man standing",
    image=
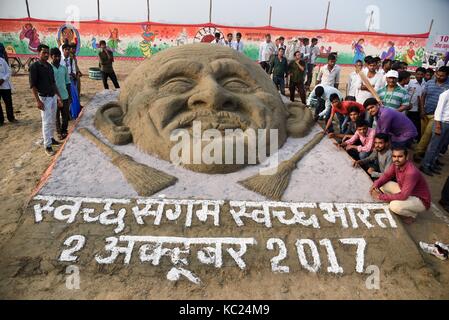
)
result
[(329, 75), (238, 44), (415, 90), (374, 78), (279, 69), (281, 44), (440, 136), (392, 95), (296, 71), (63, 84), (354, 79), (107, 71), (217, 39), (314, 54), (266, 50), (400, 128), (410, 195), (78, 73), (42, 82), (386, 66), (429, 100), (444, 201), (5, 92), (228, 41)]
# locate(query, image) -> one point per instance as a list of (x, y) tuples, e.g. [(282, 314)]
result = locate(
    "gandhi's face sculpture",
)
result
[(215, 85)]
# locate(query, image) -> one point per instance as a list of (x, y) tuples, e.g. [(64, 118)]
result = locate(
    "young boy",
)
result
[(106, 60), (341, 109), (45, 91), (63, 83), (349, 127), (380, 159), (366, 137)]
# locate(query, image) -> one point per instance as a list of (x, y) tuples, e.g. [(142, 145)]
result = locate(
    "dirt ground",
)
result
[(23, 161)]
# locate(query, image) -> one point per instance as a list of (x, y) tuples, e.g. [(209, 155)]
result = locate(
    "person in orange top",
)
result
[(341, 108)]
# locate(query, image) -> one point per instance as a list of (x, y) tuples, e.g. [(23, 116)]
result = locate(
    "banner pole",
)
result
[(210, 11), (370, 20), (327, 14), (269, 16), (430, 27), (148, 10), (28, 8), (98, 9)]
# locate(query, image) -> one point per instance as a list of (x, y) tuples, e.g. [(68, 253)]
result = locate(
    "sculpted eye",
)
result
[(178, 84), (235, 84)]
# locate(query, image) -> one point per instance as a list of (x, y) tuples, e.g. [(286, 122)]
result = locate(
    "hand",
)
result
[(422, 114), (59, 102), (1, 81), (370, 170), (355, 163), (331, 135), (375, 193), (346, 137), (437, 130), (40, 105)]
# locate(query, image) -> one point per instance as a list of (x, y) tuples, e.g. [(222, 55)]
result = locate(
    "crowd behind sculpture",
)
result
[(385, 117)]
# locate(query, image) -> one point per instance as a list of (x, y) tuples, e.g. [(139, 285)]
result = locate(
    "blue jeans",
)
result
[(280, 83), (437, 143)]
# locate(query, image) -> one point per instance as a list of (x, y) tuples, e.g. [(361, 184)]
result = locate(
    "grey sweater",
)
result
[(382, 161)]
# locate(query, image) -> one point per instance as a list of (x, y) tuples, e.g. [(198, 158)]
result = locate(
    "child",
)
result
[(366, 137), (349, 127)]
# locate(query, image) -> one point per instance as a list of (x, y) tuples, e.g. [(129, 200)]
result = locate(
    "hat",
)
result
[(392, 74)]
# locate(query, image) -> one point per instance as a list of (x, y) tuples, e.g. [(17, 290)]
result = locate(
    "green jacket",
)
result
[(296, 75), (279, 68)]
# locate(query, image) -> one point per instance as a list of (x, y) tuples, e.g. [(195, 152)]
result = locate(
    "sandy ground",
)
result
[(23, 161)]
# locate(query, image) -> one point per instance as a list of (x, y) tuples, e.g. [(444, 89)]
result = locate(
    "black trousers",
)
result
[(416, 119), (5, 95), (266, 66), (113, 77), (445, 192), (62, 117), (301, 91)]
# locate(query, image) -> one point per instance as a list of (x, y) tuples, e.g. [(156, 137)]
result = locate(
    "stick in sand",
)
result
[(368, 85), (145, 180), (273, 186)]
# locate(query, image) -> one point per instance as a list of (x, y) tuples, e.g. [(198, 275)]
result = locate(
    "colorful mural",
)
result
[(139, 40)]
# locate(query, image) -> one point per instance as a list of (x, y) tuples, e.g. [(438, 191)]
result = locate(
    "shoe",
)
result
[(432, 249), (49, 151), (442, 245), (426, 171), (54, 142), (434, 170), (14, 121)]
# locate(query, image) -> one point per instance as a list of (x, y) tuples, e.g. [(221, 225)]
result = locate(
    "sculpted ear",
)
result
[(300, 120), (109, 121)]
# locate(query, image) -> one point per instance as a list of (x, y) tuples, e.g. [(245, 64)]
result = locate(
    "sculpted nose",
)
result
[(211, 95)]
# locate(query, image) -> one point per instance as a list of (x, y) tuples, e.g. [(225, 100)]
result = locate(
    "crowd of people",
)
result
[(385, 120)]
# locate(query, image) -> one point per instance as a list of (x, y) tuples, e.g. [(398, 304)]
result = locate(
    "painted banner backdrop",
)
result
[(140, 40)]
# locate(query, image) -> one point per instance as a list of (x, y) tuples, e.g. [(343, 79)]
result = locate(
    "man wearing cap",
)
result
[(392, 95)]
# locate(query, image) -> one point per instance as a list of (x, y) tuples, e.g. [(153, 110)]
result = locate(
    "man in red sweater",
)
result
[(408, 196)]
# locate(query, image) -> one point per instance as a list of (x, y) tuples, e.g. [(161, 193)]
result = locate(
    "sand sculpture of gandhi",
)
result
[(216, 85)]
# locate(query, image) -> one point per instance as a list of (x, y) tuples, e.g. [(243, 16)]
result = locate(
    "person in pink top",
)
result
[(410, 195), (364, 136)]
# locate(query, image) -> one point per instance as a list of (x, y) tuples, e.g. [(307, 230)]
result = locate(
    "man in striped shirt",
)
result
[(429, 100), (392, 95)]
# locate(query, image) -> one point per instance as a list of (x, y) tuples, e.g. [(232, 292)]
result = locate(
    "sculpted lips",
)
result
[(220, 120)]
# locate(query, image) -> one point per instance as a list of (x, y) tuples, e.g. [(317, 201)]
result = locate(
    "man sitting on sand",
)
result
[(408, 196), (363, 136), (380, 159), (349, 128)]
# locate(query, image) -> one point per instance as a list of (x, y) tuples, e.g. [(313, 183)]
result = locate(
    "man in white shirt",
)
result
[(68, 61), (5, 92), (217, 39), (440, 135), (314, 52), (386, 66), (281, 44), (415, 89), (353, 79), (266, 50), (238, 44), (228, 41), (375, 79), (329, 74), (323, 92)]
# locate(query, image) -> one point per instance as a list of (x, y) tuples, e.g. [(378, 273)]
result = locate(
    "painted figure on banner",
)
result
[(29, 32), (359, 52), (148, 38), (390, 53)]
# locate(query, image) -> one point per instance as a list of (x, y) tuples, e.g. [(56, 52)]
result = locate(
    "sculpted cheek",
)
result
[(164, 109)]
